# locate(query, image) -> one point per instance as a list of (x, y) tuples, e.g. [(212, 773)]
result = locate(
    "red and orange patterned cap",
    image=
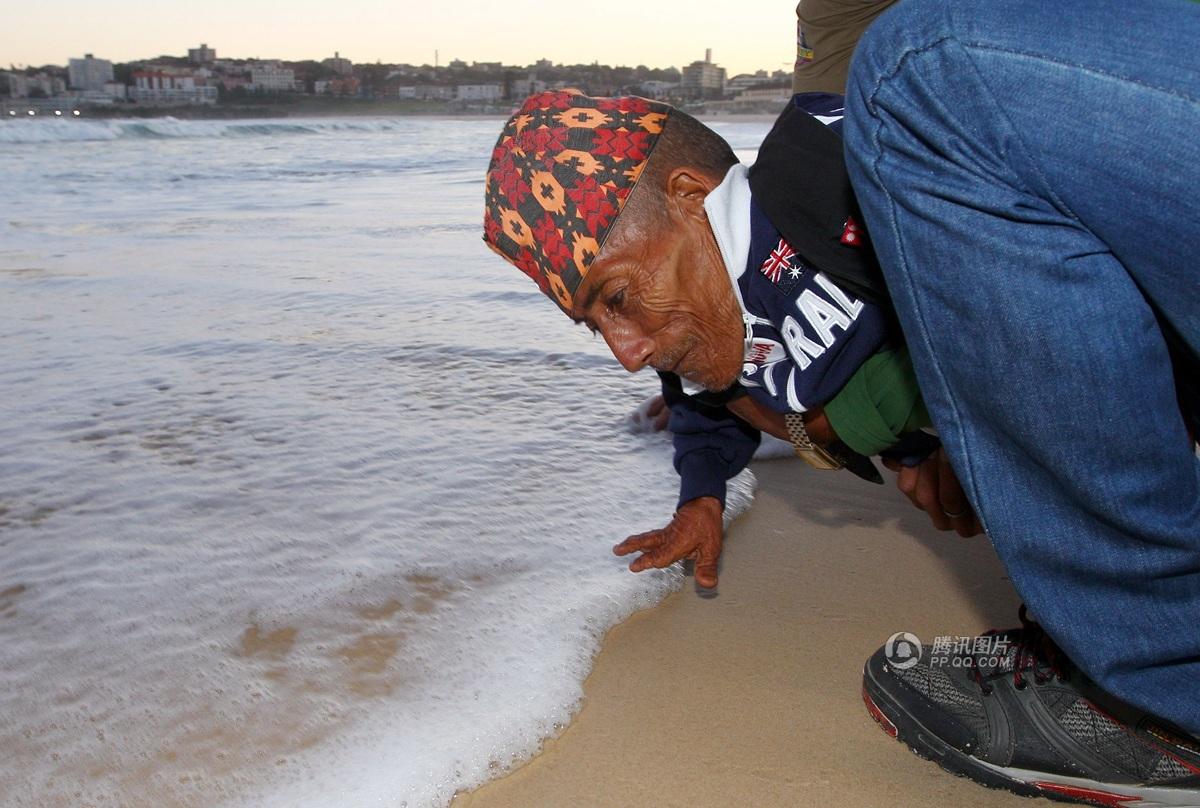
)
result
[(560, 174)]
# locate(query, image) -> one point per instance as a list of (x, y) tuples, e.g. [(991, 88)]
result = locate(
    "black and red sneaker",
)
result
[(1014, 713)]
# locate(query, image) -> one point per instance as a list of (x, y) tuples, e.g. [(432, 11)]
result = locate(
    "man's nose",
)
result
[(633, 350)]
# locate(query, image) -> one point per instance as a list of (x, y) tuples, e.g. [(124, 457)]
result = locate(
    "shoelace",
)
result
[(1034, 651)]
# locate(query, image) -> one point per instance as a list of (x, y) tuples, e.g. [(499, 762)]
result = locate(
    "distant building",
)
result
[(342, 86), (657, 89), (522, 88), (268, 77), (89, 73), (94, 98), (203, 55), (231, 83), (343, 67), (163, 80), (426, 92), (761, 98), (766, 93), (42, 84), (743, 81), (478, 92), (162, 88), (703, 79)]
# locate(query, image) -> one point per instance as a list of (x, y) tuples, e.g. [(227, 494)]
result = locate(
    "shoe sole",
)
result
[(902, 726)]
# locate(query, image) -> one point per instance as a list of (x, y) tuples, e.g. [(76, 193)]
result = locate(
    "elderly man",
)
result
[(746, 332), (756, 296)]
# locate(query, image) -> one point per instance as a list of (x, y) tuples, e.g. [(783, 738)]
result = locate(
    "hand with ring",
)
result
[(933, 487)]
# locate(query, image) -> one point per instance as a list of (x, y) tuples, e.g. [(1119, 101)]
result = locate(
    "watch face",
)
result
[(818, 458)]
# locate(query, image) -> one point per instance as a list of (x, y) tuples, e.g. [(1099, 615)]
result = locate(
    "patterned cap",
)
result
[(560, 174)]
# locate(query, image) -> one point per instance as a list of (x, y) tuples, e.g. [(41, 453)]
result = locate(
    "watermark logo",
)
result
[(989, 651), (903, 650), (992, 652)]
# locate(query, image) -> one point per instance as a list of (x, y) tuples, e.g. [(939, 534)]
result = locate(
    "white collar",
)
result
[(728, 209)]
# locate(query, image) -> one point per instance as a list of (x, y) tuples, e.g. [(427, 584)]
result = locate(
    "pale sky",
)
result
[(744, 34)]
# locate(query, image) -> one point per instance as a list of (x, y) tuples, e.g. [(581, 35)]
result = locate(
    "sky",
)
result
[(745, 35)]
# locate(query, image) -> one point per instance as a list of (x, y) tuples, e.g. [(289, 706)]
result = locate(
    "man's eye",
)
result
[(617, 300)]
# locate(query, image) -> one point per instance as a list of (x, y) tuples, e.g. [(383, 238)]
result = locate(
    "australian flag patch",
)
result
[(784, 268)]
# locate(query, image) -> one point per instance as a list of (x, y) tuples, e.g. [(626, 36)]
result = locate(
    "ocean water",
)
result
[(306, 498)]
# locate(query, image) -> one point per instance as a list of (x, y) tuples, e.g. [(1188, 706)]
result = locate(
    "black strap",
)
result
[(859, 465), (800, 182)]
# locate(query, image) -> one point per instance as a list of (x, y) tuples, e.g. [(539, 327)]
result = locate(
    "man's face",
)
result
[(660, 296)]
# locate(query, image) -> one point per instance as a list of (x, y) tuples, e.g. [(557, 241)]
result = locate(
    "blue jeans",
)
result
[(1030, 176)]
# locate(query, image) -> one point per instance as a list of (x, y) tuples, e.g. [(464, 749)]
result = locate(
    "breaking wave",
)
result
[(61, 130)]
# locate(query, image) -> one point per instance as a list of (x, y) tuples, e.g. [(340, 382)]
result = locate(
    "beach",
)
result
[(752, 697)]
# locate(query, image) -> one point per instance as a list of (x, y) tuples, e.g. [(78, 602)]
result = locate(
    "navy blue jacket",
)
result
[(809, 337)]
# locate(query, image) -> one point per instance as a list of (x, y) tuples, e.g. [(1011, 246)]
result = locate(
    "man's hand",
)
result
[(652, 415), (933, 487), (695, 532), (659, 413)]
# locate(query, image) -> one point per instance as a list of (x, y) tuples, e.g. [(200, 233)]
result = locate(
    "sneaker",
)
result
[(1014, 713)]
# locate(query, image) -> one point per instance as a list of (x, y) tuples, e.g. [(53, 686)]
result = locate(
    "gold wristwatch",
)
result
[(811, 453)]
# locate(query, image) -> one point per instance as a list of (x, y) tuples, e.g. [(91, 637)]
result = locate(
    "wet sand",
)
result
[(752, 697)]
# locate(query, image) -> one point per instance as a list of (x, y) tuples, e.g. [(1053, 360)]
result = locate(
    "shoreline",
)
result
[(752, 697)]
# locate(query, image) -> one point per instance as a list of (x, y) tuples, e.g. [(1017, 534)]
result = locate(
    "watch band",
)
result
[(858, 465), (811, 453)]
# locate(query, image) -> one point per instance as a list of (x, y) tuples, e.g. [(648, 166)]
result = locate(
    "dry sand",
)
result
[(752, 697)]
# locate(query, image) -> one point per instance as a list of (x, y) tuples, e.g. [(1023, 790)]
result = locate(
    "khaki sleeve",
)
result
[(826, 33)]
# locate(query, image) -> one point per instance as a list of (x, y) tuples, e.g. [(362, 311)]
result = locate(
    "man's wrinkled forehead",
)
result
[(602, 268)]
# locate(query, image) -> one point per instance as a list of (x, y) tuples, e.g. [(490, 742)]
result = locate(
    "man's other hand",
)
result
[(695, 532), (652, 415), (933, 487), (659, 413)]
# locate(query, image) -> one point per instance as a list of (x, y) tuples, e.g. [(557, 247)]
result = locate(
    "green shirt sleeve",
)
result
[(879, 403)]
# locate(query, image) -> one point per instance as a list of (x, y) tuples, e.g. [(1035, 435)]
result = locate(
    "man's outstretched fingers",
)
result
[(662, 556), (642, 542), (705, 571)]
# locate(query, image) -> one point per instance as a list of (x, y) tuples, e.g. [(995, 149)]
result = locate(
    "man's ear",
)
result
[(686, 191)]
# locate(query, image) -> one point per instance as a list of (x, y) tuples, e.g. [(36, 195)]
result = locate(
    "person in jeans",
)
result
[(1030, 177)]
